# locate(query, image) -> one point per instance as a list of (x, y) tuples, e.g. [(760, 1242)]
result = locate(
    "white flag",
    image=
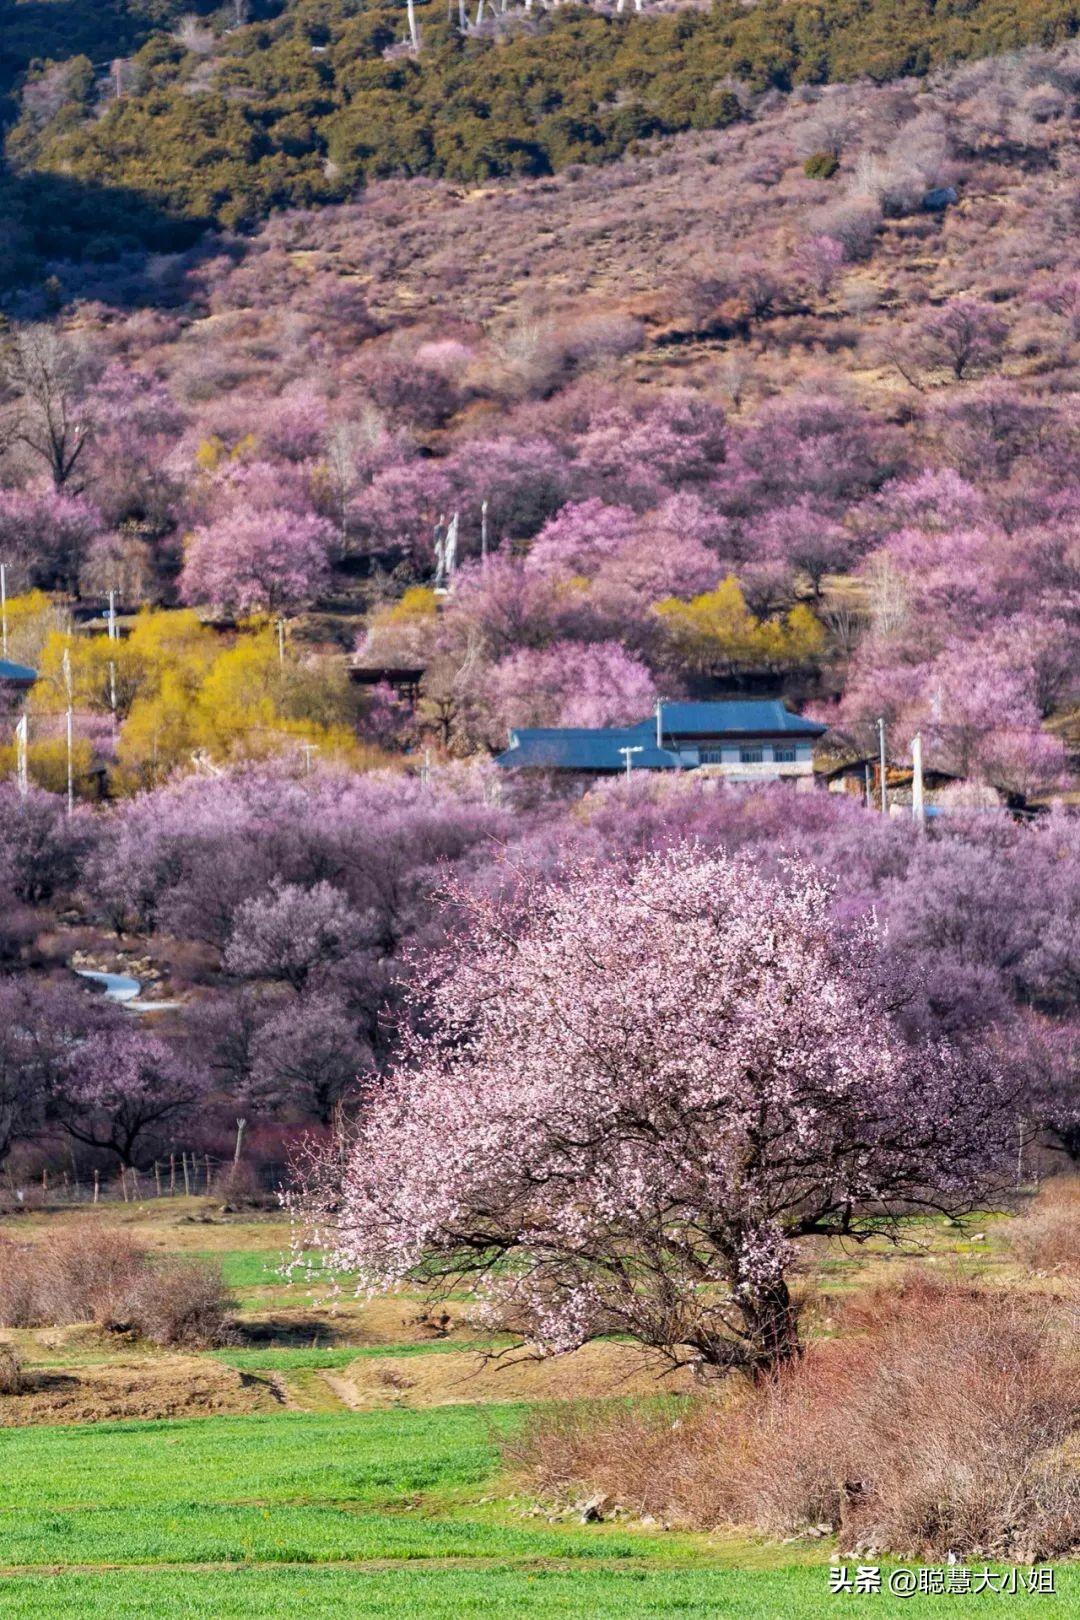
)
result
[(450, 547), (22, 737)]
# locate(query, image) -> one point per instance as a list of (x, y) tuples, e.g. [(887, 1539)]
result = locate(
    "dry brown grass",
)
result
[(85, 1272), (457, 1376), (12, 1378), (1047, 1238), (939, 1422), (16, 1286), (144, 1388)]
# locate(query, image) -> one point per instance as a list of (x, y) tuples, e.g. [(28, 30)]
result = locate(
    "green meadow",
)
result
[(314, 1509)]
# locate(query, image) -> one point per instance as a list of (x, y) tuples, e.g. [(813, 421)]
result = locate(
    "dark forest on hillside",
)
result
[(132, 127)]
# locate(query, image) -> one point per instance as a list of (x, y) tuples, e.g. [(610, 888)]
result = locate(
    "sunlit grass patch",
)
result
[(288, 1358)]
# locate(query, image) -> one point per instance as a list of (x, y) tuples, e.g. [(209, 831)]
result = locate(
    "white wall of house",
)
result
[(751, 761)]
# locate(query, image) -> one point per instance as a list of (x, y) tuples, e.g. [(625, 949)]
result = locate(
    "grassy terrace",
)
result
[(312, 1508)]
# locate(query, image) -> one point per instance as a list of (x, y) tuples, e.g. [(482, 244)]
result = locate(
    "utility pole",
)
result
[(659, 722), (484, 529), (66, 666), (114, 635), (281, 641), (881, 756), (413, 34), (627, 754), (918, 807), (3, 606)]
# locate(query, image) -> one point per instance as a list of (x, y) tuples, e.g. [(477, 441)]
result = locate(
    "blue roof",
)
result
[(581, 749), (738, 717), (20, 673), (570, 749)]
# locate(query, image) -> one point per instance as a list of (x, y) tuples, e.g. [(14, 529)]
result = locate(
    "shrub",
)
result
[(88, 1273), (12, 1378), (935, 1425), (821, 166), (16, 1286), (183, 1304), (1047, 1238), (84, 1273)]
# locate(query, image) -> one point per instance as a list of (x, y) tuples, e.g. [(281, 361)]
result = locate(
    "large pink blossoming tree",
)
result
[(257, 561), (634, 1092)]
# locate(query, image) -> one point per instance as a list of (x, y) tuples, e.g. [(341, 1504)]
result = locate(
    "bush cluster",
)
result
[(935, 1423), (1047, 1239), (821, 165), (12, 1380), (88, 1273)]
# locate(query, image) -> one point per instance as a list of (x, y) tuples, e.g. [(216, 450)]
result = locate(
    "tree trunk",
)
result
[(772, 1326)]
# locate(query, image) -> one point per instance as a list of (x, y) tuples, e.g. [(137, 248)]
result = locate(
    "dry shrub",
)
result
[(185, 1304), (85, 1273), (936, 1424), (91, 1273), (16, 1285), (12, 1378), (240, 1184), (1047, 1238)]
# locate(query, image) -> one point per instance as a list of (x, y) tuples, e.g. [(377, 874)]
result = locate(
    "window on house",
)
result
[(784, 753), (751, 756), (712, 756)]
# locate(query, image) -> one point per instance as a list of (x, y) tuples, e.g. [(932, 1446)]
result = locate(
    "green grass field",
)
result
[(382, 1513), (317, 1510), (374, 1513)]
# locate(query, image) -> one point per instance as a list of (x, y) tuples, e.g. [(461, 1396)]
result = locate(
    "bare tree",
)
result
[(846, 624), (194, 36), (49, 412)]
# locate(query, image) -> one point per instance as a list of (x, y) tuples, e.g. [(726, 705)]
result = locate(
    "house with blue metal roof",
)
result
[(16, 677), (742, 740)]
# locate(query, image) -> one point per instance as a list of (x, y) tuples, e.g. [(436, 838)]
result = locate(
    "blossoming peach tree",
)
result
[(632, 1093)]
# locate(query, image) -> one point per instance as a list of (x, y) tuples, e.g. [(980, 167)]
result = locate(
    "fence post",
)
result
[(187, 1180), (123, 1182), (97, 1185), (206, 1158), (172, 1174), (157, 1177)]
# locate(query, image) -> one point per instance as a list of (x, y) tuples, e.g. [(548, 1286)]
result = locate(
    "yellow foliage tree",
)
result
[(160, 645), (243, 703), (418, 602), (717, 633), (46, 763), (32, 619)]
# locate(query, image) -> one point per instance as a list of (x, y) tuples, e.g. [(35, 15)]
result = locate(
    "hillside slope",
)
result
[(201, 126)]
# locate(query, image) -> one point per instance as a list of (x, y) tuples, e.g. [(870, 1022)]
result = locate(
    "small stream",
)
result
[(125, 991)]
